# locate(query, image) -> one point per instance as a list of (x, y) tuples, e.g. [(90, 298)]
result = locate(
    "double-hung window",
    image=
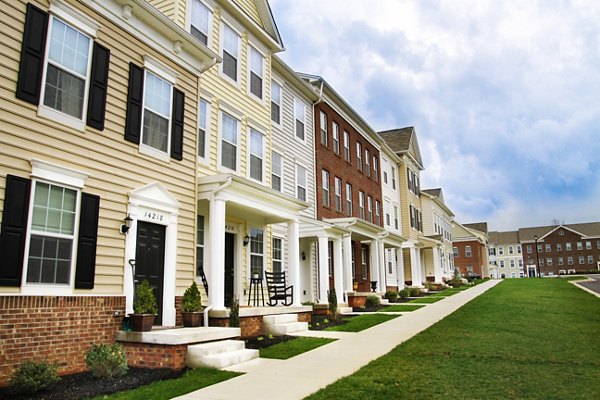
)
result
[(300, 182), (277, 254), (229, 141), (393, 173), (377, 212), (367, 162), (349, 199), (385, 173), (361, 205), (468, 251), (359, 162), (396, 223), (364, 256), (300, 118), (375, 169), (231, 49), (202, 127), (369, 209), (276, 171), (324, 133), (200, 21), (256, 72), (346, 146), (157, 112), (256, 251), (386, 208), (336, 137), (256, 155), (275, 102), (325, 185), (338, 194), (200, 245)]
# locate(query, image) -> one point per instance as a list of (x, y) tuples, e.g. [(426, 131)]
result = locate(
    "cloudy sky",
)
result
[(504, 95)]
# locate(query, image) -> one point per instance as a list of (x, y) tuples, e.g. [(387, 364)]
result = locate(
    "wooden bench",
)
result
[(278, 291)]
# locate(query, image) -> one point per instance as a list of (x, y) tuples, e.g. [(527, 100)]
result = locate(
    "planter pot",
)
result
[(141, 322), (191, 319)]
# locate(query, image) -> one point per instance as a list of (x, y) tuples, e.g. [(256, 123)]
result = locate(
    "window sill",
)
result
[(46, 290), (61, 118), (154, 153)]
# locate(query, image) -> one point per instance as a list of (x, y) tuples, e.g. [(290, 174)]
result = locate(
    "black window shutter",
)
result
[(98, 87), (133, 119), (14, 230), (33, 48), (177, 125), (86, 243)]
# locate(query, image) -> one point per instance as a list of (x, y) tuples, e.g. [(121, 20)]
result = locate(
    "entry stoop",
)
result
[(219, 354), (282, 324)]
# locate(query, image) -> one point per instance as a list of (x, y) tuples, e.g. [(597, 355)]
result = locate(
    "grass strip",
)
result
[(401, 308), (362, 322), (522, 339), (291, 348), (163, 390), (426, 300)]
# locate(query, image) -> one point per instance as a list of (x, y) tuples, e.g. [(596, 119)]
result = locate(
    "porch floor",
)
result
[(177, 336)]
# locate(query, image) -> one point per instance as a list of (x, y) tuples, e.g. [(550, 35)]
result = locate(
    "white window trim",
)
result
[(326, 187), (323, 120), (296, 102), (221, 167), (239, 54), (144, 148), (203, 246), (211, 13), (282, 172), (339, 205), (280, 104), (249, 71), (346, 134), (282, 259), (250, 253), (349, 209), (249, 154), (161, 70), (296, 181), (74, 17), (207, 136), (335, 131)]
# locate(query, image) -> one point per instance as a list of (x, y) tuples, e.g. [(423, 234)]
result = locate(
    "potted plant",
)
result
[(191, 306), (144, 308)]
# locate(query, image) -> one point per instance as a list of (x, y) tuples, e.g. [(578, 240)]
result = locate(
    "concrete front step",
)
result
[(285, 329), (219, 354), (344, 310), (279, 319)]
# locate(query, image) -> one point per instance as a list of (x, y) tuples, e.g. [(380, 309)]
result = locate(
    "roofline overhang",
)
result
[(281, 68), (274, 44)]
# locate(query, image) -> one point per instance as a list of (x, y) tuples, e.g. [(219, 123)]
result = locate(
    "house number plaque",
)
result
[(153, 216)]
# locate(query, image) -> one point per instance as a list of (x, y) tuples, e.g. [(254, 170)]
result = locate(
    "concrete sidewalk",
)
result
[(306, 373)]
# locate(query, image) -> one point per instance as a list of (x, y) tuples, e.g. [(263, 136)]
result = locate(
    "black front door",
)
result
[(150, 260), (229, 248)]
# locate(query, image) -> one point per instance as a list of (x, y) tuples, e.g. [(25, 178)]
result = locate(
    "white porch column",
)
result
[(374, 267), (293, 235), (323, 269), (400, 267), (338, 270), (347, 262), (216, 255), (382, 273), (437, 265), (415, 267)]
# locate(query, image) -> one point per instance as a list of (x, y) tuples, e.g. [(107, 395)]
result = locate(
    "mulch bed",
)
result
[(263, 341), (321, 322), (84, 385)]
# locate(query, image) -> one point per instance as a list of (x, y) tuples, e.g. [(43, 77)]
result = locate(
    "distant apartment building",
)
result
[(470, 248), (506, 260)]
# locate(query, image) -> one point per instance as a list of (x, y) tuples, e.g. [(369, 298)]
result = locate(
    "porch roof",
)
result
[(391, 239), (360, 229), (247, 199)]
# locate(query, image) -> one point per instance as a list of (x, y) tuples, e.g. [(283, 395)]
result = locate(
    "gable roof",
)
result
[(507, 237), (403, 141), (478, 226)]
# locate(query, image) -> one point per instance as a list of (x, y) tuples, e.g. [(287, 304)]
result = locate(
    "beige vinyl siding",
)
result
[(114, 166), (167, 7), (407, 268), (428, 259), (249, 7)]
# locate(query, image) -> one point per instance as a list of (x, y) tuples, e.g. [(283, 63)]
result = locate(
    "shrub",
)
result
[(404, 293), (191, 300), (107, 361), (332, 299), (32, 377), (391, 295), (372, 301), (145, 301), (414, 292), (234, 313)]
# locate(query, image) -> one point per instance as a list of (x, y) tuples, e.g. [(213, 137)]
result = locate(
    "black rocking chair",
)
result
[(278, 291)]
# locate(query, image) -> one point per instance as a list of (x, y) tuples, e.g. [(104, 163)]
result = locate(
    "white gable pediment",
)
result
[(154, 195)]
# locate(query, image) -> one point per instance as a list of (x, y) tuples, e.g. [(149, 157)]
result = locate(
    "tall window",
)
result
[(200, 245), (386, 207), (396, 223), (468, 252), (325, 184), (202, 126), (157, 112), (384, 170), (257, 66), (299, 112), (367, 162), (324, 133), (300, 182), (336, 138), (346, 146), (276, 171), (338, 194), (361, 205), (369, 209), (256, 251), (275, 102), (548, 248), (231, 48), (375, 169), (455, 252), (229, 141), (377, 212), (393, 173), (200, 24), (256, 155), (52, 234), (568, 246), (67, 69), (353, 261), (359, 162), (349, 199), (277, 256), (364, 256), (579, 246)]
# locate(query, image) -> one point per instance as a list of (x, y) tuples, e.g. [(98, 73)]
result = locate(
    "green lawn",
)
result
[(362, 322), (291, 348), (163, 390), (401, 308), (426, 300), (523, 339)]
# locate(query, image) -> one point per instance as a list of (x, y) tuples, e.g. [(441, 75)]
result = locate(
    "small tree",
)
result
[(234, 313), (145, 301), (332, 299), (191, 300)]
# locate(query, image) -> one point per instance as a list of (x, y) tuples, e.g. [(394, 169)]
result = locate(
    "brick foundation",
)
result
[(55, 328), (146, 355), (252, 326), (357, 301)]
